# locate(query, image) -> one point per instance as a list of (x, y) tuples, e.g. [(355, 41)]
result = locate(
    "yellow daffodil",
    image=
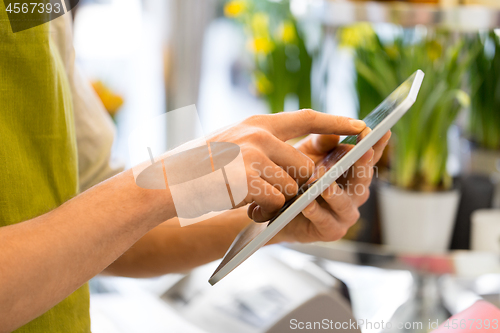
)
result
[(463, 98), (392, 51), (357, 35), (235, 8), (434, 50), (261, 45), (262, 83), (286, 32), (260, 24)]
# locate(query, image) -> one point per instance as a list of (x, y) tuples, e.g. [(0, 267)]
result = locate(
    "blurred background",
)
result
[(427, 245)]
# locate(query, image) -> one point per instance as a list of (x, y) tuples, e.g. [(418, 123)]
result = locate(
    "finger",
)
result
[(327, 228), (317, 145), (268, 199), (340, 203), (331, 159), (289, 125), (250, 209), (320, 217), (366, 159), (363, 134), (357, 180), (380, 146), (299, 166), (276, 176), (325, 143)]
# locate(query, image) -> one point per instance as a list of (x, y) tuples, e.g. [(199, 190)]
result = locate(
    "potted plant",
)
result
[(282, 63), (484, 119), (419, 203), (480, 151)]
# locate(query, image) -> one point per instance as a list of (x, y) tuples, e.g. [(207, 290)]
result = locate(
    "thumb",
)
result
[(324, 143)]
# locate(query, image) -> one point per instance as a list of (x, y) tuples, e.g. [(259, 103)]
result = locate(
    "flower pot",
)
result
[(417, 221), (486, 230)]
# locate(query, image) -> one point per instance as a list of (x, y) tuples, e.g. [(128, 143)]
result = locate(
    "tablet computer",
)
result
[(380, 120)]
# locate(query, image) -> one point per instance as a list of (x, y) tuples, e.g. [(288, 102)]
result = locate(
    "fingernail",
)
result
[(357, 123), (373, 154)]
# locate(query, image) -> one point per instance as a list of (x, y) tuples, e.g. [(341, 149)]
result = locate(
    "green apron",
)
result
[(38, 161)]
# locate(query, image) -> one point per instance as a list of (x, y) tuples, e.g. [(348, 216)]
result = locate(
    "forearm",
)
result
[(45, 259), (170, 248)]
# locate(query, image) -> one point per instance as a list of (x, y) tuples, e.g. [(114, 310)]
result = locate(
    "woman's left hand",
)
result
[(330, 216)]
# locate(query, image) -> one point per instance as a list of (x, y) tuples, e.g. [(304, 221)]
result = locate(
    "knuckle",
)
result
[(252, 119), (344, 209), (342, 122), (256, 120), (321, 220), (253, 177), (259, 136), (307, 115), (355, 217), (253, 154)]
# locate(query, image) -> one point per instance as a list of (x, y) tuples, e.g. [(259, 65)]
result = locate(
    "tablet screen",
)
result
[(373, 119), (385, 108)]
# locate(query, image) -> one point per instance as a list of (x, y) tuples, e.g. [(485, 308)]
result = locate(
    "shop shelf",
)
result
[(471, 17)]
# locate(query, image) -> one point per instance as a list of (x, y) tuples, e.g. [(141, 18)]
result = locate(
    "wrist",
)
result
[(151, 206)]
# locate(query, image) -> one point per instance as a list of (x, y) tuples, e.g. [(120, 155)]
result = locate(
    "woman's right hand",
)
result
[(275, 169)]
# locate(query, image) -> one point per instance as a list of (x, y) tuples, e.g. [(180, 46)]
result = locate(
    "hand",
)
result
[(273, 167), (330, 216)]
